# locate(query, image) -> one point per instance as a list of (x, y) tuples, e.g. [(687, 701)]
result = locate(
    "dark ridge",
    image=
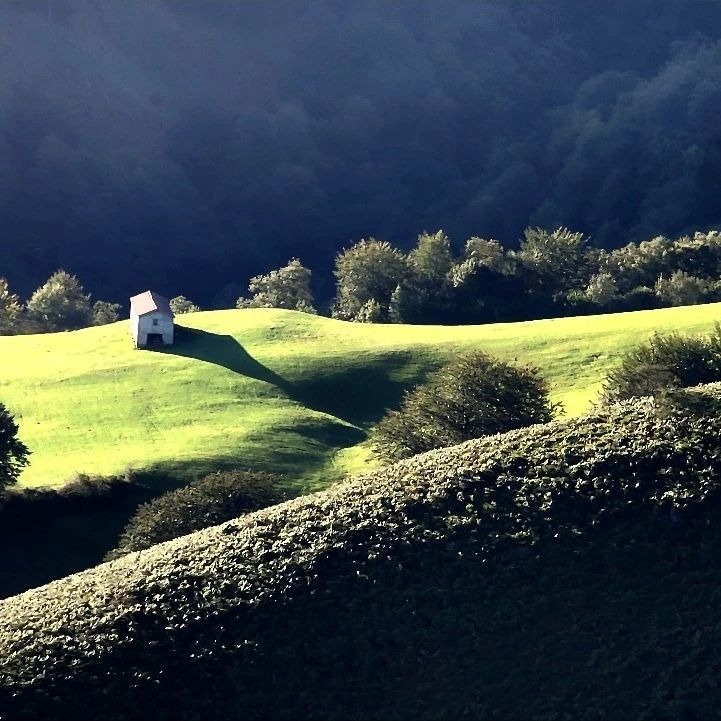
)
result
[(559, 571)]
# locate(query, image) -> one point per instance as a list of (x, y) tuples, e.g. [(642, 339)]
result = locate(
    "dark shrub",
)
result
[(639, 298), (13, 452), (474, 395), (21, 507), (206, 502), (665, 361)]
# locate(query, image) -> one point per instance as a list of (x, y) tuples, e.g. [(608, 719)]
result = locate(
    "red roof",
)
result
[(149, 302)]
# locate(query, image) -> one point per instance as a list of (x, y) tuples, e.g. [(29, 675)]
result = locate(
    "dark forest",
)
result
[(188, 146)]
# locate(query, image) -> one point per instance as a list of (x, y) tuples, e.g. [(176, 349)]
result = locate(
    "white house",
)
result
[(151, 320)]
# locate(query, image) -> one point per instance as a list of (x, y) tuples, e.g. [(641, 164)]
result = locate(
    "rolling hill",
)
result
[(270, 389), (567, 570)]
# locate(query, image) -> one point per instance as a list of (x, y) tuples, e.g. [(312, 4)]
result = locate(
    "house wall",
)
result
[(141, 326), (134, 320)]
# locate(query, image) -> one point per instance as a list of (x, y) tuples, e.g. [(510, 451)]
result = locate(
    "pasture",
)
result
[(272, 390)]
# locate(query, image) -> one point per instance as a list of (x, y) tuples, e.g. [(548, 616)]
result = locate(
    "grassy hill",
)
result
[(269, 389), (563, 571)]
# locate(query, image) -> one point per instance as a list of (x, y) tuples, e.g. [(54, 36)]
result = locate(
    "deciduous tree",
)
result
[(425, 295), (681, 289), (60, 304), (104, 312), (369, 270), (180, 304), (560, 261), (287, 287), (208, 501)]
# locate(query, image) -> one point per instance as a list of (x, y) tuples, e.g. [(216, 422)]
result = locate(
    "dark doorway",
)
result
[(154, 340)]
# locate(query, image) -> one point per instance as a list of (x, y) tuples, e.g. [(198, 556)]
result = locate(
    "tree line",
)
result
[(551, 274)]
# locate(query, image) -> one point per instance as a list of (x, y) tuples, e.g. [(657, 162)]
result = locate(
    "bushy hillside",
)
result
[(271, 390), (566, 570)]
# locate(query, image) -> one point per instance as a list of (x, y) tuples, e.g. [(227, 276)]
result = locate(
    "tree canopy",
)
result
[(370, 270), (180, 304), (287, 287), (60, 303)]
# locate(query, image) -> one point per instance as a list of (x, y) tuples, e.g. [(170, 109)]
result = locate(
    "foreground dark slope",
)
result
[(536, 574)]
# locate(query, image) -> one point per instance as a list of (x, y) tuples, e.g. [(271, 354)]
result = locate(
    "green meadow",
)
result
[(274, 390)]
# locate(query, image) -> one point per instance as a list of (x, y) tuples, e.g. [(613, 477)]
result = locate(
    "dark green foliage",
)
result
[(210, 500), (472, 396), (13, 452), (19, 506), (563, 571), (487, 293), (10, 310), (552, 274), (665, 361), (104, 312), (431, 259), (537, 117), (425, 294)]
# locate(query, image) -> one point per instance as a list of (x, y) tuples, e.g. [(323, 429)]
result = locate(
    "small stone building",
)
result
[(151, 320)]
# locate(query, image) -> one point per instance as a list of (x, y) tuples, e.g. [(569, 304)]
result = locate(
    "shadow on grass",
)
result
[(224, 351), (69, 538), (356, 393), (306, 450), (360, 393)]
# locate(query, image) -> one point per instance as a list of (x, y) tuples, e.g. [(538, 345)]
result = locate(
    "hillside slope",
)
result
[(269, 389), (540, 573)]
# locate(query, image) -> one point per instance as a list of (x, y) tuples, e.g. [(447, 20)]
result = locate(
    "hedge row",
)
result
[(360, 600)]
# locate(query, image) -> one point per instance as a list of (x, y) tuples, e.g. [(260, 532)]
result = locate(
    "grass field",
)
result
[(270, 389)]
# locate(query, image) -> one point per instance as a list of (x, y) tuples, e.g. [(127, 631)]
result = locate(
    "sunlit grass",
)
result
[(270, 389)]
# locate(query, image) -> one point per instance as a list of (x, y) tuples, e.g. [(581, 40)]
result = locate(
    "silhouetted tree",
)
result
[(13, 452), (488, 287)]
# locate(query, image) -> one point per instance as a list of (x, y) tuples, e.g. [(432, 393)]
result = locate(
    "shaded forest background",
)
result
[(188, 146)]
